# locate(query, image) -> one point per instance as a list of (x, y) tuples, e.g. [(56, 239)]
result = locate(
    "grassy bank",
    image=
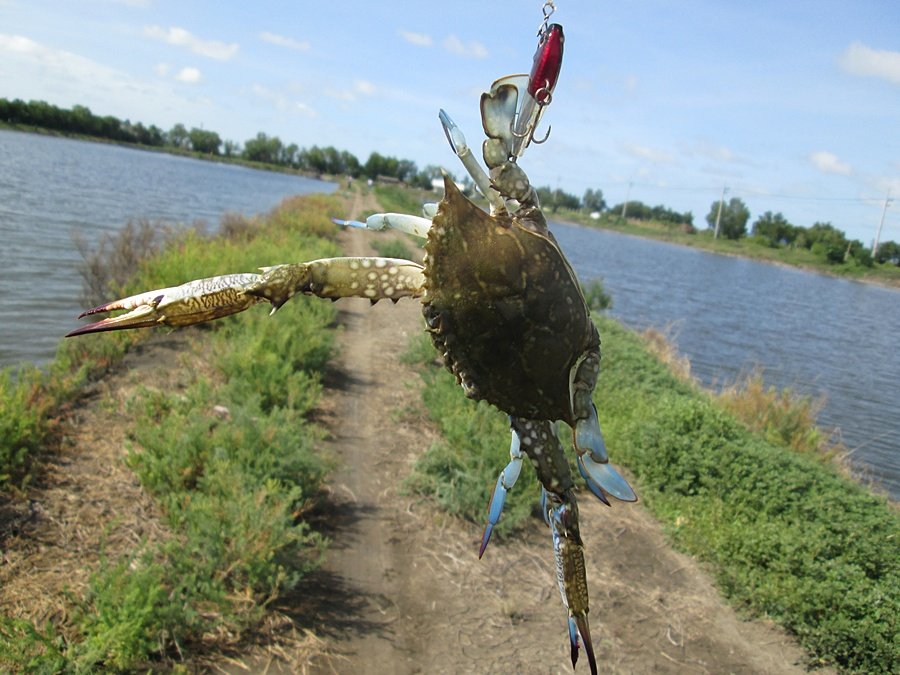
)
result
[(747, 247), (230, 460), (786, 536)]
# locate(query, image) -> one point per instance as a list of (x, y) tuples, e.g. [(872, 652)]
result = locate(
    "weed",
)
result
[(391, 248)]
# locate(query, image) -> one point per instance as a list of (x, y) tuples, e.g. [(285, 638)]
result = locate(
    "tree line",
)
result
[(262, 148), (823, 239)]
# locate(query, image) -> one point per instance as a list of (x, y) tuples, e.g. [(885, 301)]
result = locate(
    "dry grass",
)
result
[(661, 343)]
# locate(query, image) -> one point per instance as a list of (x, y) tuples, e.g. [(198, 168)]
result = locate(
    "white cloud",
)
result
[(359, 88), (418, 39), (188, 75), (708, 150), (653, 155), (282, 41), (212, 49), (281, 102), (36, 71), (456, 46), (858, 59), (827, 162), (162, 69)]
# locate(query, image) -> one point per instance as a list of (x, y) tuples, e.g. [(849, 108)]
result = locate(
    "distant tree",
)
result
[(888, 252), (204, 141), (557, 199), (231, 148), (263, 148), (178, 137), (774, 229), (289, 154), (735, 214), (425, 176), (824, 240), (350, 164), (593, 200), (379, 165)]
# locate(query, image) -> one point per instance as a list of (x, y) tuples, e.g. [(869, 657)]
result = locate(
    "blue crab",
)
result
[(501, 303)]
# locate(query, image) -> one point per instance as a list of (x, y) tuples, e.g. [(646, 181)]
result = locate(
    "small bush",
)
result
[(596, 296)]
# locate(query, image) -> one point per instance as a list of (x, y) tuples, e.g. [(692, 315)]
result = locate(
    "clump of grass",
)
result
[(781, 416), (400, 199), (662, 346), (391, 248), (596, 296), (23, 412), (105, 269)]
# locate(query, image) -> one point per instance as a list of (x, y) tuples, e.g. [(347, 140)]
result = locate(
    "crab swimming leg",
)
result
[(212, 298), (540, 443)]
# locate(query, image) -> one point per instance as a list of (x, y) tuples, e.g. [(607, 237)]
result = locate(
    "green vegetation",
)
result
[(229, 459), (808, 251), (786, 536), (261, 151)]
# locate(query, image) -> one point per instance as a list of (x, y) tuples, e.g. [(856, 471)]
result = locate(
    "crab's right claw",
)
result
[(190, 303)]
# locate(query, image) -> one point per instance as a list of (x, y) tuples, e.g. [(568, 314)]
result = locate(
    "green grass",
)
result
[(232, 488), (786, 536)]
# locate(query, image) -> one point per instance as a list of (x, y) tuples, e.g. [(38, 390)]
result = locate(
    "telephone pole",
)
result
[(625, 203), (719, 213), (887, 202)]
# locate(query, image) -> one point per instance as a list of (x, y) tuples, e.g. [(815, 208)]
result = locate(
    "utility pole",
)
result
[(887, 202), (719, 213), (625, 203)]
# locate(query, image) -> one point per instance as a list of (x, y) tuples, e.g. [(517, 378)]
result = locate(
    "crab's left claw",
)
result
[(190, 303)]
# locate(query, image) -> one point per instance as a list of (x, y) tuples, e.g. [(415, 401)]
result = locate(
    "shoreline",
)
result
[(891, 284)]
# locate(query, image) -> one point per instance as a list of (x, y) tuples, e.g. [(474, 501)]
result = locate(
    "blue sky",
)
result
[(795, 106)]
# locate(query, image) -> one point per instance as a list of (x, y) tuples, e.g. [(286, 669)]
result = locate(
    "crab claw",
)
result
[(190, 303), (603, 479), (593, 462)]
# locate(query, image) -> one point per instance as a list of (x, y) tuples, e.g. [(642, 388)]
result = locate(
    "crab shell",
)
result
[(505, 308)]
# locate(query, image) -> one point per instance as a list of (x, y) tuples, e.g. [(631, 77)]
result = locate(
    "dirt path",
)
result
[(403, 590)]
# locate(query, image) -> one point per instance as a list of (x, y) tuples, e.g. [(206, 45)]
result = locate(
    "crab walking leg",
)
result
[(568, 551), (458, 142), (212, 298), (415, 225), (505, 482), (362, 277), (542, 446), (593, 460)]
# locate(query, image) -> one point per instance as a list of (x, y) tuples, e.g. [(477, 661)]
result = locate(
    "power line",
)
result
[(748, 191)]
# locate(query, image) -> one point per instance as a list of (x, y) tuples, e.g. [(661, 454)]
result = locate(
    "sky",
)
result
[(793, 107)]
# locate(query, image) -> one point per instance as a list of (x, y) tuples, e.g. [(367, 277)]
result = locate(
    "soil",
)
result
[(402, 589)]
